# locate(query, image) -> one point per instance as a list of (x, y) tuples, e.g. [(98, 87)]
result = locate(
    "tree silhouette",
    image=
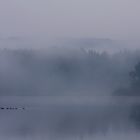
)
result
[(135, 83), (134, 88), (135, 91)]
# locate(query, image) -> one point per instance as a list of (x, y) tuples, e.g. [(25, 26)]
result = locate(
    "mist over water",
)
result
[(66, 118), (66, 93), (69, 70)]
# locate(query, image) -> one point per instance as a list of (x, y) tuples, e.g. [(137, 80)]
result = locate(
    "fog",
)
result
[(67, 19), (69, 69), (64, 71), (66, 93)]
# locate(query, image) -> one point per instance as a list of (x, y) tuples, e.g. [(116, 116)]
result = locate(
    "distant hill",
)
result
[(97, 44), (88, 42)]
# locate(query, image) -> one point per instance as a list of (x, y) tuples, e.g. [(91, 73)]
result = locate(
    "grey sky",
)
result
[(117, 19)]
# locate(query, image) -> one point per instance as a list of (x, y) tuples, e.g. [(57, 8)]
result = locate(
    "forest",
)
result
[(66, 71)]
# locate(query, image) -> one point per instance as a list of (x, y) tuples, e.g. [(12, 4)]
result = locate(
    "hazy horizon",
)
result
[(118, 20)]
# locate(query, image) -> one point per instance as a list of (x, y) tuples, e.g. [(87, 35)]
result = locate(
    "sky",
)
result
[(51, 19)]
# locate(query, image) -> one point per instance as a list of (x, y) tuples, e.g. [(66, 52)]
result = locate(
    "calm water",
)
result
[(76, 118)]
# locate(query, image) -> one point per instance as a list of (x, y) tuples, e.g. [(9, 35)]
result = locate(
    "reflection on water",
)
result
[(67, 118)]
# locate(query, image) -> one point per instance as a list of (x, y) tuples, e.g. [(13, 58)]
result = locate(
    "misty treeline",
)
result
[(133, 88), (63, 71), (132, 93)]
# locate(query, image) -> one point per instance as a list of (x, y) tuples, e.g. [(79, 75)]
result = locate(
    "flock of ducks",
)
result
[(12, 108)]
